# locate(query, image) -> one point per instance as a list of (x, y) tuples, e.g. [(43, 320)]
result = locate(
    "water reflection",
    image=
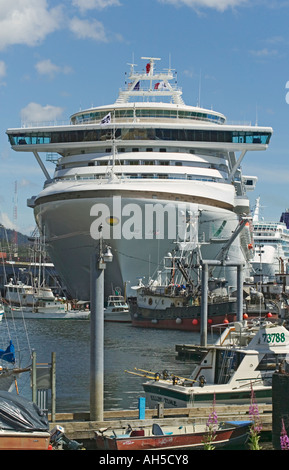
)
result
[(126, 347)]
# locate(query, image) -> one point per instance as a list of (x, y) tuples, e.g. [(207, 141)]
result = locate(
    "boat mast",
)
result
[(159, 84)]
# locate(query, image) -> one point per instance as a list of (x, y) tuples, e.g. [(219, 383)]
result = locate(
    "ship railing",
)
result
[(219, 328), (54, 123), (102, 177), (171, 89)]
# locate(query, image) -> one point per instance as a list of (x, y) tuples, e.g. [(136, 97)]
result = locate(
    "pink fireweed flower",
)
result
[(254, 413), (284, 439), (256, 426), (212, 419), (212, 425)]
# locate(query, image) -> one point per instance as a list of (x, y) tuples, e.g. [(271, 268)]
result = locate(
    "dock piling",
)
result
[(204, 306), (98, 265)]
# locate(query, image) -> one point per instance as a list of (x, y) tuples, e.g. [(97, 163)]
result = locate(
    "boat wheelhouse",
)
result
[(243, 359)]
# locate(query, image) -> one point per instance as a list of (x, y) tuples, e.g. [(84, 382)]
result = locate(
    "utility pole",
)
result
[(98, 265)]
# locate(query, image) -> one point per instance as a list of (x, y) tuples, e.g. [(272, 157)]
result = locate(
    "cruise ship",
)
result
[(271, 241), (144, 172)]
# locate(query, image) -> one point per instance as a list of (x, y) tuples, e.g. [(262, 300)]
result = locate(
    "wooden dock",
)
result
[(79, 427)]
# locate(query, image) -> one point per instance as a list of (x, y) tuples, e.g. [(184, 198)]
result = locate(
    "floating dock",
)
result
[(79, 427)]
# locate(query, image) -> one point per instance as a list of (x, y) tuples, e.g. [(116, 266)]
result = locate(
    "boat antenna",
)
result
[(200, 82)]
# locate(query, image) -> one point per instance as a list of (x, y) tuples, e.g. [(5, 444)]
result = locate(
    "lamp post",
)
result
[(98, 265)]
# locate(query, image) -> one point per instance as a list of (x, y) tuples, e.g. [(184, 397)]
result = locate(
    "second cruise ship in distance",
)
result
[(146, 154)]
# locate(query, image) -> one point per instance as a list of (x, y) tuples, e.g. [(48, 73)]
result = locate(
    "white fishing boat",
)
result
[(117, 310), (39, 308), (245, 356), (149, 152), (24, 295), (47, 311), (37, 300)]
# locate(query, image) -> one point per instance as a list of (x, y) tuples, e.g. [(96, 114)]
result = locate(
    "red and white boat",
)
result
[(190, 436)]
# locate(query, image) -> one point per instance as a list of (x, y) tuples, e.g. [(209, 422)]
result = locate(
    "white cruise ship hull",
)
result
[(68, 224)]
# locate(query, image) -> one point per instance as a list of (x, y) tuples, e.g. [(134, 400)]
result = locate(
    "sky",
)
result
[(60, 56)]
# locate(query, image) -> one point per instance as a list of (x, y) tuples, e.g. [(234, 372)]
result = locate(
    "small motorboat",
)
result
[(165, 437), (246, 354), (117, 310)]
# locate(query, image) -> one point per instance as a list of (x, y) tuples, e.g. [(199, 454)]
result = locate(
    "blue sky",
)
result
[(60, 56)]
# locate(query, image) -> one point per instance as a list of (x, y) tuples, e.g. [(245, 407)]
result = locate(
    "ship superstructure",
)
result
[(147, 154)]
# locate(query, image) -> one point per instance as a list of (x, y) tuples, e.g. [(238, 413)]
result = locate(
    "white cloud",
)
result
[(34, 112), (84, 5), (264, 52), (2, 69), (46, 67), (6, 221), (220, 5), (27, 22), (91, 29)]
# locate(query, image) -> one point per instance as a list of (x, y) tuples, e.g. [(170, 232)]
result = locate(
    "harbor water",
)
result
[(125, 347)]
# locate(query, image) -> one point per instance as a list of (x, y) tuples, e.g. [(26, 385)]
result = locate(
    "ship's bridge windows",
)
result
[(145, 113), (250, 138), (98, 135)]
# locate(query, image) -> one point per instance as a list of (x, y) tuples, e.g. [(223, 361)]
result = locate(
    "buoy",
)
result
[(245, 316), (210, 321), (269, 314), (195, 321), (226, 321), (178, 321)]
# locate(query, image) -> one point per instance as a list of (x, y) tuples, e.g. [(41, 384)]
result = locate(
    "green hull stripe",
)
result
[(201, 397)]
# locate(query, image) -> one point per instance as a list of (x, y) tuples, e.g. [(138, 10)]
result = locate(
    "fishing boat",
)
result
[(173, 299), (24, 301), (146, 154), (26, 295), (117, 310), (245, 355), (165, 437), (30, 297), (23, 426)]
